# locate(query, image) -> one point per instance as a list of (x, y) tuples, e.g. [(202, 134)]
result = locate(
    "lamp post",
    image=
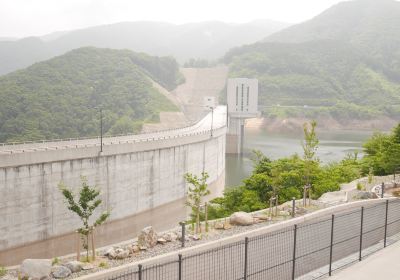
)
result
[(101, 130), (212, 120)]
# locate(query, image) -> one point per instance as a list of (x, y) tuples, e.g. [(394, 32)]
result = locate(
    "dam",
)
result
[(141, 179)]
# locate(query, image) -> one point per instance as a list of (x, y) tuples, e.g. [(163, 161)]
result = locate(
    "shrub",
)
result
[(3, 271), (103, 265), (55, 261)]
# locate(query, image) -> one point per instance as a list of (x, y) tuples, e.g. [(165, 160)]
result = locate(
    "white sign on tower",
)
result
[(242, 97)]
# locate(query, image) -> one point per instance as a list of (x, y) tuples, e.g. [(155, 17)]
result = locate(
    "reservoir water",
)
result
[(333, 146)]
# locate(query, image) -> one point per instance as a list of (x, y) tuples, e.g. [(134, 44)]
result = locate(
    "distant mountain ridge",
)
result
[(204, 40), (344, 63)]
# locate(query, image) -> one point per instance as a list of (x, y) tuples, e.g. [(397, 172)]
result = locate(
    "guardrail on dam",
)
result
[(140, 178)]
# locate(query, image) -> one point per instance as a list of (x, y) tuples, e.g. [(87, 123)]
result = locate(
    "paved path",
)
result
[(384, 264)]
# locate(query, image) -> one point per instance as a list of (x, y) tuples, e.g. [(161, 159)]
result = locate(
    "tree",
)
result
[(382, 152), (310, 146), (84, 207), (197, 191), (310, 143)]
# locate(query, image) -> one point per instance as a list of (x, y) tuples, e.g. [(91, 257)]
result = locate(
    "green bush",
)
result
[(103, 264), (55, 261), (3, 271)]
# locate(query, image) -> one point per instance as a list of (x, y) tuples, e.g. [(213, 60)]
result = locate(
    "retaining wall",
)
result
[(141, 183)]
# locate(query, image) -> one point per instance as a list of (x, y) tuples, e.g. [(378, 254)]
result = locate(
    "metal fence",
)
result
[(305, 251)]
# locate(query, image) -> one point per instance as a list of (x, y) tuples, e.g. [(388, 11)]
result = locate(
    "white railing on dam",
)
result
[(210, 121)]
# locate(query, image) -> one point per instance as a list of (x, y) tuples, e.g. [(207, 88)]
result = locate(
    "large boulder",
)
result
[(87, 266), (333, 198), (35, 268), (60, 271), (74, 266), (241, 219), (134, 249), (364, 195), (121, 253), (170, 236), (147, 238), (110, 253), (117, 253), (219, 225)]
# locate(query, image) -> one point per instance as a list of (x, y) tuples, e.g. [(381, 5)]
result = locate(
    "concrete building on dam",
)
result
[(141, 178), (242, 98)]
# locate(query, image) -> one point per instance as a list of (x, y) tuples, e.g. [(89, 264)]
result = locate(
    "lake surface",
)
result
[(333, 146)]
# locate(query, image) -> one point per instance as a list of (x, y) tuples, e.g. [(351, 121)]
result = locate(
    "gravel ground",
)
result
[(162, 249)]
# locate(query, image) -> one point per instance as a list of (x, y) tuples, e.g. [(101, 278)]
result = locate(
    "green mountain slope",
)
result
[(343, 63), (59, 98)]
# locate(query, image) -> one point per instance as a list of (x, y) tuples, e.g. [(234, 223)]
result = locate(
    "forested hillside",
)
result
[(61, 97), (344, 63)]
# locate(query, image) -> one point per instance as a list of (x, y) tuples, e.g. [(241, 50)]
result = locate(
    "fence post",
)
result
[(294, 252), (183, 226), (382, 189), (246, 251), (386, 223), (331, 246), (140, 271), (361, 233), (180, 267)]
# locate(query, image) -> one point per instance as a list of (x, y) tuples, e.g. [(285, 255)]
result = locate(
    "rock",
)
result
[(74, 266), (111, 253), (241, 219), (35, 268), (142, 248), (301, 211), (194, 237), (60, 271), (148, 237), (227, 226), (365, 195), (134, 249), (170, 236), (284, 213), (219, 225), (261, 216), (333, 198), (87, 266), (8, 277), (161, 241), (121, 253)]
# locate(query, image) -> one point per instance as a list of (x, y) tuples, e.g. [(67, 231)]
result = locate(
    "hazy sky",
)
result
[(20, 18)]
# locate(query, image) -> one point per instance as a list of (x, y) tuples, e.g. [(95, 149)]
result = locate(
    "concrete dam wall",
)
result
[(140, 178)]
